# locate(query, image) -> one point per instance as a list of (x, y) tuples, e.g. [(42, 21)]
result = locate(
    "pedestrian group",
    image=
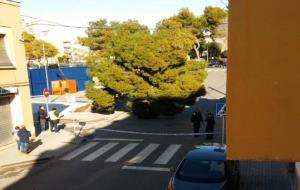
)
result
[(53, 117), (197, 120), (22, 135)]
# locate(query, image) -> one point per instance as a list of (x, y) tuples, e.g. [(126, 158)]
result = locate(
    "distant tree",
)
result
[(221, 30), (63, 59), (224, 54), (187, 21), (34, 48), (147, 68), (213, 17), (214, 49)]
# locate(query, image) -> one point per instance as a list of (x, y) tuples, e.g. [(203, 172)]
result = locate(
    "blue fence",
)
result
[(37, 78)]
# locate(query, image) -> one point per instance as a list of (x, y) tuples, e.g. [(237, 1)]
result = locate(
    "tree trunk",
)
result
[(196, 48)]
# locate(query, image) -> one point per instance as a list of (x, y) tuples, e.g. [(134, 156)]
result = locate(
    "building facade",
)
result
[(263, 80), (15, 105)]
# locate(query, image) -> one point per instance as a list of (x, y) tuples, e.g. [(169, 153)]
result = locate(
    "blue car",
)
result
[(206, 168)]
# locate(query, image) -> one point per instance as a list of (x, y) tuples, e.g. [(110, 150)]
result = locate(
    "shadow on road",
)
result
[(74, 175)]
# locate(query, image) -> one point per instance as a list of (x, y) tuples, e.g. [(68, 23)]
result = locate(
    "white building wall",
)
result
[(16, 111)]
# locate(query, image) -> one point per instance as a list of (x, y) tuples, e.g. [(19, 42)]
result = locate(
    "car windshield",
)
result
[(202, 171)]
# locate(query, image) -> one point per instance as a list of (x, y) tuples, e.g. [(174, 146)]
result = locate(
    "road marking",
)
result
[(143, 154), (217, 70), (118, 155), (117, 139), (209, 70), (78, 151), (99, 152), (146, 168), (154, 134), (167, 154)]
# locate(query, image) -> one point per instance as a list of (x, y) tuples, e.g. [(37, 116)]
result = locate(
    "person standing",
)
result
[(16, 137), (24, 136), (42, 116), (210, 125), (196, 119), (54, 119)]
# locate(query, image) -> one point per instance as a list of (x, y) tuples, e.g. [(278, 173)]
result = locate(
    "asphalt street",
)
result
[(134, 154)]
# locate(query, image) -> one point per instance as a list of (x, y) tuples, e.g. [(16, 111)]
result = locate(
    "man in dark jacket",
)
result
[(42, 114), (24, 135), (196, 119), (210, 119)]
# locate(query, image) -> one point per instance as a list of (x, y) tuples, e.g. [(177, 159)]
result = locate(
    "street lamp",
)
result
[(46, 68), (45, 62), (207, 38)]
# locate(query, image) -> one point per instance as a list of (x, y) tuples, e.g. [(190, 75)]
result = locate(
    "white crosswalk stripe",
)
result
[(140, 157), (118, 155), (117, 139), (78, 151), (162, 159), (167, 154), (99, 152)]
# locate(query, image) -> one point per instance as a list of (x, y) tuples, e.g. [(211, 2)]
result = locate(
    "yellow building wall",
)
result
[(263, 87), (10, 21)]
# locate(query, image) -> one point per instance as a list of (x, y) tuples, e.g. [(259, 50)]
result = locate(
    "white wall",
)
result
[(16, 111)]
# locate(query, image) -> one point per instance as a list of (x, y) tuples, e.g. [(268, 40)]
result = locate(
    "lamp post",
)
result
[(207, 39), (45, 68), (46, 74)]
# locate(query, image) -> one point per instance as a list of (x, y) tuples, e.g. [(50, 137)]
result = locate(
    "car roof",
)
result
[(211, 151)]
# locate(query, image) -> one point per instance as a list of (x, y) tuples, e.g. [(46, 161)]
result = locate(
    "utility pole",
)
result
[(46, 73), (207, 55)]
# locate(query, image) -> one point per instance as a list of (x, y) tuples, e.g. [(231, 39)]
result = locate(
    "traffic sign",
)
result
[(46, 92), (220, 109)]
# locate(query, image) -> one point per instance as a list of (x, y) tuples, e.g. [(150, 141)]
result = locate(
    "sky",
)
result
[(81, 12)]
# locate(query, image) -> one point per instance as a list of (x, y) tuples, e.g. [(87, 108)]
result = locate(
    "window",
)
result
[(4, 59), (202, 171)]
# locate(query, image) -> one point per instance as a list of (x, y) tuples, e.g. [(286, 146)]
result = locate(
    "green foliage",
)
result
[(151, 69), (34, 47), (103, 100), (212, 17), (144, 109), (185, 19), (224, 54), (63, 59), (214, 49)]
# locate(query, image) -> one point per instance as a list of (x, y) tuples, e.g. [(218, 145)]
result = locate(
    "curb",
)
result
[(93, 120), (7, 146), (35, 161), (39, 160)]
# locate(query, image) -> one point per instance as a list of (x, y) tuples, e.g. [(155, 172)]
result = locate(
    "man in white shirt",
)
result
[(54, 119)]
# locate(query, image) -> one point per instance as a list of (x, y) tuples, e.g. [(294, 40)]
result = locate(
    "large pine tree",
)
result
[(150, 69)]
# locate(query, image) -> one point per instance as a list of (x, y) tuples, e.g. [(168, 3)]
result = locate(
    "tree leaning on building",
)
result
[(150, 69)]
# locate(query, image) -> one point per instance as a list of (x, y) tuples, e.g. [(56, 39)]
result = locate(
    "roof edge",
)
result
[(11, 2)]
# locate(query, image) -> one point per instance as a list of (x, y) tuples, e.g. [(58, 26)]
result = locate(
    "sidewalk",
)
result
[(50, 145), (46, 146)]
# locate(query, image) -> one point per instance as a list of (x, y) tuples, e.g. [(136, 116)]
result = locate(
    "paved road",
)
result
[(114, 160)]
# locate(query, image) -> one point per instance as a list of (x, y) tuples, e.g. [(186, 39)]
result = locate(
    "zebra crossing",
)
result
[(116, 151), (216, 69)]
